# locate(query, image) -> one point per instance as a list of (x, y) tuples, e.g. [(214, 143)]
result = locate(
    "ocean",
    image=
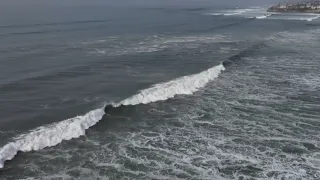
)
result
[(159, 93)]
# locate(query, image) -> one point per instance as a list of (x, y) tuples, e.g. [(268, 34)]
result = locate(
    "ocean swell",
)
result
[(51, 135)]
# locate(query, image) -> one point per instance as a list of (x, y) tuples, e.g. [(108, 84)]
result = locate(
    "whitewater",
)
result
[(53, 134)]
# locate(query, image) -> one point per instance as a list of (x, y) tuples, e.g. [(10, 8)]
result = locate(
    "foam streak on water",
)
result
[(51, 135)]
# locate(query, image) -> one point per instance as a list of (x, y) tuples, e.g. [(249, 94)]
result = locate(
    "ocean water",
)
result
[(159, 93)]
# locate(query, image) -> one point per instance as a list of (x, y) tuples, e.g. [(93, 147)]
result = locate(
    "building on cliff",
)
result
[(309, 7)]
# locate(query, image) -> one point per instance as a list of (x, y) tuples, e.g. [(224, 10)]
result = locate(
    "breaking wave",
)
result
[(233, 12), (312, 18), (262, 17), (184, 85), (237, 12), (51, 135)]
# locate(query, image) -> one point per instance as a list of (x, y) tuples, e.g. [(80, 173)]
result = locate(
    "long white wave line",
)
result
[(51, 135)]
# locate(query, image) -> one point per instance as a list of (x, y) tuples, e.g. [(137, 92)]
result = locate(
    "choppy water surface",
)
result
[(191, 93)]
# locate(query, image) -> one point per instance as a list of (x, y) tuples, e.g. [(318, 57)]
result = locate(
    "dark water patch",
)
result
[(291, 149), (248, 52), (306, 97), (76, 173), (228, 25), (52, 31), (10, 170), (56, 76), (28, 84), (196, 9), (308, 126), (245, 170), (172, 25), (209, 125), (313, 25), (135, 166), (310, 146), (150, 134), (120, 119)]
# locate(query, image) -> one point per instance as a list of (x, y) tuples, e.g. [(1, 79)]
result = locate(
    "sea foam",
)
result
[(184, 85), (263, 17), (51, 135)]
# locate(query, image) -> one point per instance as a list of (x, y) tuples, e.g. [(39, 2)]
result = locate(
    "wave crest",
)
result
[(183, 85), (48, 136), (51, 135), (263, 16)]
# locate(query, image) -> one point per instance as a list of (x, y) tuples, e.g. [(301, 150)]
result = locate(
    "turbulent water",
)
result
[(160, 93)]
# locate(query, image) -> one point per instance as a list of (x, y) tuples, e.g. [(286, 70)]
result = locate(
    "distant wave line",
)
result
[(55, 23)]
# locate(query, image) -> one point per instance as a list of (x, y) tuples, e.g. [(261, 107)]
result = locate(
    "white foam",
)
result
[(231, 12), (214, 14), (204, 39), (47, 136), (183, 85), (263, 17), (237, 12), (101, 51), (51, 135), (313, 18), (150, 44)]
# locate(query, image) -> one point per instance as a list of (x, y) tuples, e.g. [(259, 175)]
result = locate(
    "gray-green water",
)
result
[(209, 93)]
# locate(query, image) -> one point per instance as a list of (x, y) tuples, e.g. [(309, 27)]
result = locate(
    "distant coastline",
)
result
[(305, 7)]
